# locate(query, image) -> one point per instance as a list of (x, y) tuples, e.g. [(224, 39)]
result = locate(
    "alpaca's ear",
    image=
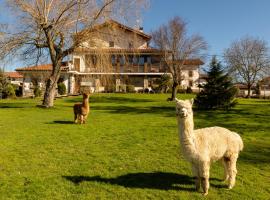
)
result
[(191, 101)]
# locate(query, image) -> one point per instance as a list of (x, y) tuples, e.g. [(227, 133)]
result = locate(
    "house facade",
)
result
[(14, 78), (116, 56), (265, 87)]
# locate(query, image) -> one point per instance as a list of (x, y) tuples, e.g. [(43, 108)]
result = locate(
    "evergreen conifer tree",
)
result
[(219, 91)]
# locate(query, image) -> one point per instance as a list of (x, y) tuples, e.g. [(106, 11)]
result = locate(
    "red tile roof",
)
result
[(13, 75), (243, 86), (45, 67), (265, 80)]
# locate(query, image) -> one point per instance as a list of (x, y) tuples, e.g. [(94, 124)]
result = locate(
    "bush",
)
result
[(146, 90), (181, 90), (130, 89), (169, 90), (62, 89), (189, 90), (8, 92), (110, 88), (18, 90), (164, 83), (37, 91), (122, 88), (156, 88)]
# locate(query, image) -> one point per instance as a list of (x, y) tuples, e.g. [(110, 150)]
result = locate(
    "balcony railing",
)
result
[(129, 69)]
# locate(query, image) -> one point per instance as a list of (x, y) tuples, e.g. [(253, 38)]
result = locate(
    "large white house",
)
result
[(116, 53)]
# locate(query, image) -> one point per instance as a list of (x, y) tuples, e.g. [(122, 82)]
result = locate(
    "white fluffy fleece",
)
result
[(203, 146)]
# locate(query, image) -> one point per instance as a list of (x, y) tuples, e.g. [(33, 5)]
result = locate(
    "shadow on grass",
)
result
[(252, 119), (14, 105), (255, 153), (155, 180), (109, 99), (63, 122), (152, 180), (163, 110)]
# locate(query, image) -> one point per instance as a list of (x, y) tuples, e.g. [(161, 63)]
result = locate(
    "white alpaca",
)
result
[(203, 146)]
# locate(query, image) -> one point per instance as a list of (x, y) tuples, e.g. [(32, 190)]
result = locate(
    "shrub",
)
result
[(122, 88), (18, 90), (110, 88), (8, 92), (156, 88), (181, 90), (62, 89), (37, 91), (189, 90), (164, 83), (130, 88), (169, 90), (146, 90)]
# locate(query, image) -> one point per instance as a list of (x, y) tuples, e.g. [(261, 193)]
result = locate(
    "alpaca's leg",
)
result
[(75, 118), (85, 117), (232, 170), (81, 119), (196, 174), (204, 174), (226, 166)]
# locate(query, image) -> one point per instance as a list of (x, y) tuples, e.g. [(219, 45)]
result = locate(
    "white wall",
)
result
[(120, 37)]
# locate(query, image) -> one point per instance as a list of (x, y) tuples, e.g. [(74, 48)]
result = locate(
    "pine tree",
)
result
[(219, 91)]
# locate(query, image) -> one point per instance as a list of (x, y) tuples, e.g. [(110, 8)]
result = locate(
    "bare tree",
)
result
[(247, 60), (55, 29), (172, 38)]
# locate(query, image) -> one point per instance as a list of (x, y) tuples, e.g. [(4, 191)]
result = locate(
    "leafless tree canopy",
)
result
[(178, 46), (53, 29), (248, 60)]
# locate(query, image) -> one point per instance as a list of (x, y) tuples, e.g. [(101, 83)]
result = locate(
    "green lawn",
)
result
[(128, 149)]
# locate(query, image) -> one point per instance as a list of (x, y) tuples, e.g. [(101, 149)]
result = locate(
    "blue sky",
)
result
[(219, 21)]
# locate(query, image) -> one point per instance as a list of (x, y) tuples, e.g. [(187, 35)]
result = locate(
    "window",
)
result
[(111, 44), (87, 60), (135, 60), (149, 60), (130, 60), (113, 60), (94, 60), (190, 83), (77, 64), (122, 60), (190, 73), (141, 60), (130, 45)]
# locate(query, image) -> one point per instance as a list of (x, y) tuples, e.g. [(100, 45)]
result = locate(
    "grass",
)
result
[(129, 149)]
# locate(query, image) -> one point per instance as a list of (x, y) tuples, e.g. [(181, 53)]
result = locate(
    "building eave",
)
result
[(114, 73)]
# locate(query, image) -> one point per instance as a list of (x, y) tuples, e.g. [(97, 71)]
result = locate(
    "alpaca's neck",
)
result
[(186, 128), (85, 102)]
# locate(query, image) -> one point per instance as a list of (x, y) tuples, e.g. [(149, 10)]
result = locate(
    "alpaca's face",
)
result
[(183, 108), (86, 95)]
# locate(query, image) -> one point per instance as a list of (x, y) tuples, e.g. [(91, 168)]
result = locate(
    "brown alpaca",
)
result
[(81, 110)]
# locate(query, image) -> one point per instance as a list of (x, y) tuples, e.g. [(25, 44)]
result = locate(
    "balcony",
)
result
[(154, 68)]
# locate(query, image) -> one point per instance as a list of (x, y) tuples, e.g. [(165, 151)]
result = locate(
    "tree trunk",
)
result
[(249, 90), (48, 100), (51, 83), (174, 91)]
